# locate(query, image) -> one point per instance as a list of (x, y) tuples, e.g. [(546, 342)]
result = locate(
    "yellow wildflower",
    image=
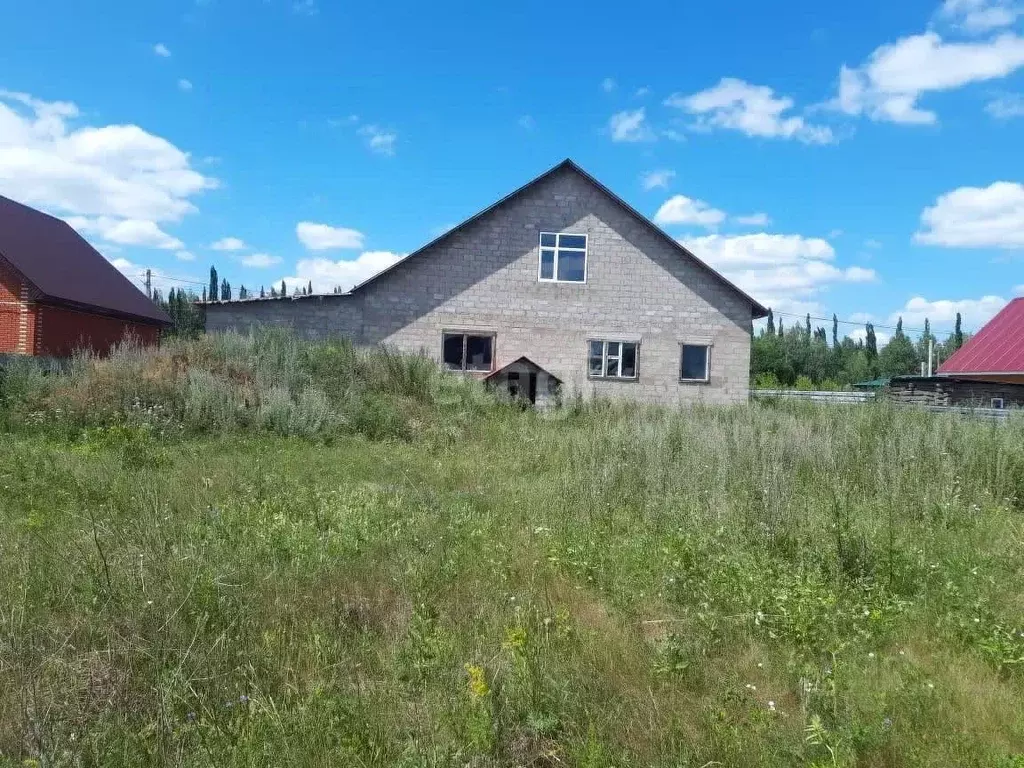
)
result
[(478, 687)]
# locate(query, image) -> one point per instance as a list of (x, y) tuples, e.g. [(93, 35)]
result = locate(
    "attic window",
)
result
[(563, 258), (466, 352)]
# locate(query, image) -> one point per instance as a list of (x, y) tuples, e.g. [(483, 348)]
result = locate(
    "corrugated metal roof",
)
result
[(996, 348), (65, 269)]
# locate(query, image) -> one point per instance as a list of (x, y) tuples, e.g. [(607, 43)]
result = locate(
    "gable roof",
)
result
[(996, 348), (757, 309), (525, 361), (65, 269)]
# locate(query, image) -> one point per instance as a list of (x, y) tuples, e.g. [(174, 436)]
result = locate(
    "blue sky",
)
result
[(858, 158)]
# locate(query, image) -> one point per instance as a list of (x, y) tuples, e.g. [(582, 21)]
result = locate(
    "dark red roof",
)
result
[(65, 269), (996, 348)]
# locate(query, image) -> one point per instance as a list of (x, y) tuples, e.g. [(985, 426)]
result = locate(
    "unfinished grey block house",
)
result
[(559, 287)]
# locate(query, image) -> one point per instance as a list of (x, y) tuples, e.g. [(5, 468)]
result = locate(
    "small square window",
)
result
[(563, 258), (612, 359), (694, 362), (997, 403)]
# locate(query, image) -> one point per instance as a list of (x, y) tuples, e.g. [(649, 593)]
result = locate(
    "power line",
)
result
[(860, 324), (142, 276)]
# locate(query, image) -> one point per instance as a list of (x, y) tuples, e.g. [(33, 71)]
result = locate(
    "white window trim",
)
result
[(707, 361), (585, 250), (465, 334), (604, 360), (1001, 401)]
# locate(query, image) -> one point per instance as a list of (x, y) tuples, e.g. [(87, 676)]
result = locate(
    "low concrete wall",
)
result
[(311, 317)]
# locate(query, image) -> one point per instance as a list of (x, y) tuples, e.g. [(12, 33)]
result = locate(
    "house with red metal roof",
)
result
[(59, 294), (995, 353)]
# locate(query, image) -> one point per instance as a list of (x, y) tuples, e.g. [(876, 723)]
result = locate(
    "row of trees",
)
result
[(802, 355), (222, 290)]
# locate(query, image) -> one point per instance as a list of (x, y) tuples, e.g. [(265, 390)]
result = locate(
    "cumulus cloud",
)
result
[(785, 272), (185, 256), (326, 274), (137, 232), (608, 85), (980, 16), (323, 237), (118, 182), (942, 313), (753, 110), (680, 209), (185, 85), (229, 244), (754, 220), (630, 126), (657, 179), (895, 76), (260, 260), (861, 334), (976, 217), (161, 50)]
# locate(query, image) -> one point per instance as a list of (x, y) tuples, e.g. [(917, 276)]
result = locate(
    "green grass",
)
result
[(256, 552)]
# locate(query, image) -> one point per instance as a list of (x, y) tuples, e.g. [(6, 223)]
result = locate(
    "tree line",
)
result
[(805, 357)]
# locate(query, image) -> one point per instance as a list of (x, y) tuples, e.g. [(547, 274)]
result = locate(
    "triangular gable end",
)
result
[(757, 309)]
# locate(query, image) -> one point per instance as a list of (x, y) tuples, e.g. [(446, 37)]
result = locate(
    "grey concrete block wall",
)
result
[(484, 277)]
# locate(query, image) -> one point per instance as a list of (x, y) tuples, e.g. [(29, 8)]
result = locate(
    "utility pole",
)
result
[(149, 283), (931, 355)]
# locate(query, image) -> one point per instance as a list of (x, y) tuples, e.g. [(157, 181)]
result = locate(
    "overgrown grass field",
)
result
[(238, 552)]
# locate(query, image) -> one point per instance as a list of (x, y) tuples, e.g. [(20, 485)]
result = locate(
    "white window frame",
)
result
[(707, 361), (465, 342), (557, 248), (1001, 401), (605, 357)]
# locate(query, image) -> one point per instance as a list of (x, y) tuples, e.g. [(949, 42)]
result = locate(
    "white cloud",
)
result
[(942, 313), (527, 123), (980, 16), (753, 110), (137, 232), (260, 260), (346, 273), (161, 50), (782, 271), (976, 217), (657, 179), (379, 140), (608, 85), (229, 244), (888, 85), (306, 7), (630, 125), (1019, 290), (1007, 106), (185, 85), (119, 171), (185, 256), (323, 237), (862, 317), (641, 92), (680, 209), (754, 220), (861, 334)]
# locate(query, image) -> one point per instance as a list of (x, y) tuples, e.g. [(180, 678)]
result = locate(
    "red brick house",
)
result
[(59, 294)]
